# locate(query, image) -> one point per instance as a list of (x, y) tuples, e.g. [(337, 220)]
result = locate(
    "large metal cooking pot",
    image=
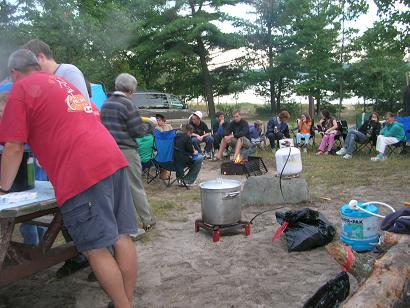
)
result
[(221, 201)]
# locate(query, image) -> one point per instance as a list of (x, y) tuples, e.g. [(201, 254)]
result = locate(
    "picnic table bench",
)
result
[(19, 260)]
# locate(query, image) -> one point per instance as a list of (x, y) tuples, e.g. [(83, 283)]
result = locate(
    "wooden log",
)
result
[(361, 264), (387, 276)]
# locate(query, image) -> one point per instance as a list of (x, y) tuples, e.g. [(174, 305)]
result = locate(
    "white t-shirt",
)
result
[(73, 75)]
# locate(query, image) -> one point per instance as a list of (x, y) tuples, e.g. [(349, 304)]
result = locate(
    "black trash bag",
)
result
[(331, 294), (307, 229)]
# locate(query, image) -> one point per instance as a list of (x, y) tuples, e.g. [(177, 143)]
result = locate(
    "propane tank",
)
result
[(291, 166)]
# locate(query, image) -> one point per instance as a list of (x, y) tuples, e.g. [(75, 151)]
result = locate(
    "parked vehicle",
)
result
[(150, 103)]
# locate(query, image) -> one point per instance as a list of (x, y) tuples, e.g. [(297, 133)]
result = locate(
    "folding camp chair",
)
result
[(341, 136), (164, 157)]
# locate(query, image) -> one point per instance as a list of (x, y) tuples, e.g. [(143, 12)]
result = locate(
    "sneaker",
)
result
[(347, 156), (188, 184), (225, 154), (304, 150), (91, 277), (379, 157), (138, 235), (342, 151), (208, 155), (149, 226), (70, 267)]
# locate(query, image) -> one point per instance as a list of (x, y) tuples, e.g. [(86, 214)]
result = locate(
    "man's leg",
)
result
[(195, 143), (134, 172), (209, 142), (271, 137), (238, 148), (194, 170), (109, 275), (126, 257), (222, 147)]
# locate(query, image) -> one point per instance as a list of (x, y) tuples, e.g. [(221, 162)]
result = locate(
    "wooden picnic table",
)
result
[(19, 260)]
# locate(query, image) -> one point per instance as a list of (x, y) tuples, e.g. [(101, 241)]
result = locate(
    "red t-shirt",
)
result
[(69, 141)]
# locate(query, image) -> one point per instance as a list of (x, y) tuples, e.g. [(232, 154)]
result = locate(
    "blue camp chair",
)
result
[(164, 157)]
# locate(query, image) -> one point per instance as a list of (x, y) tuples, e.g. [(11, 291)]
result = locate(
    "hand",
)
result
[(199, 138), (195, 152)]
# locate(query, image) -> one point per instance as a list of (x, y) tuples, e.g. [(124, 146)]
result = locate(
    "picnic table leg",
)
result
[(6, 231), (52, 232)]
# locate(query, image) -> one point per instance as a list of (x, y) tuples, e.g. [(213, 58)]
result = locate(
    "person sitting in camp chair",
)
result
[(304, 131), (391, 133), (146, 148), (367, 132), (186, 156), (201, 133), (278, 128), (255, 133), (329, 129), (237, 136), (219, 128)]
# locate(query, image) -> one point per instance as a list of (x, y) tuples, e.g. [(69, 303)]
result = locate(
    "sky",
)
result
[(244, 11)]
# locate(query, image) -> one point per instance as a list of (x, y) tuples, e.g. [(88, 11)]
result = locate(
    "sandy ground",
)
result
[(181, 268)]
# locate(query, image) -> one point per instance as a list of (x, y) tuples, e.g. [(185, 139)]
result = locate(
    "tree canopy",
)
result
[(287, 47)]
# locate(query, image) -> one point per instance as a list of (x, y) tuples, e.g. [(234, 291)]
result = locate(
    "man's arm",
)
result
[(136, 127), (10, 163)]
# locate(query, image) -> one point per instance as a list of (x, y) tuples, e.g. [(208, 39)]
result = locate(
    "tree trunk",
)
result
[(318, 105), (272, 89), (311, 106), (406, 100), (206, 77), (387, 276), (279, 94), (272, 96)]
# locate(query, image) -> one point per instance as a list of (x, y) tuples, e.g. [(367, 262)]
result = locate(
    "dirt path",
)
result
[(181, 268)]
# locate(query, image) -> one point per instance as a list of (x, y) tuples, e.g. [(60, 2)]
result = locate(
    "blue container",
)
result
[(359, 229)]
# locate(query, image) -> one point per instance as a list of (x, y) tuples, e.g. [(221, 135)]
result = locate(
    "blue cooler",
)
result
[(359, 229)]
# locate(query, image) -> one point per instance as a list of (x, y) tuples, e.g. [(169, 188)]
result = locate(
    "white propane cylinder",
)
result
[(294, 164)]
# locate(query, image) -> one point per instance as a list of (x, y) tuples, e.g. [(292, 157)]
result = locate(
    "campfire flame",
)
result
[(237, 160)]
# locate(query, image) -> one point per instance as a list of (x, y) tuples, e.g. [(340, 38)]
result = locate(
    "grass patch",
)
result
[(162, 208), (332, 173)]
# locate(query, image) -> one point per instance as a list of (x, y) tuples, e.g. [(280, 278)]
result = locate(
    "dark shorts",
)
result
[(99, 215)]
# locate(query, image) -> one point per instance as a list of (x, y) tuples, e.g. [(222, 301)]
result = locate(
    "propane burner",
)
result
[(217, 231), (253, 166)]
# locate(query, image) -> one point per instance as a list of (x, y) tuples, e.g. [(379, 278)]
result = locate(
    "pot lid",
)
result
[(220, 184)]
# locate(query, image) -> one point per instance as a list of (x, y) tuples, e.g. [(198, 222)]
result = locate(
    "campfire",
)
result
[(238, 160), (253, 165)]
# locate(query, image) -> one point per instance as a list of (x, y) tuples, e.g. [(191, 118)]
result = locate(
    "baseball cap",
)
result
[(198, 114)]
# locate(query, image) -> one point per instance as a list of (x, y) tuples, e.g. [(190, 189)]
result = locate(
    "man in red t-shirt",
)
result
[(84, 164)]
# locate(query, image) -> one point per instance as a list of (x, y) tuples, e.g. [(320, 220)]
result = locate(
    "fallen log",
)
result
[(381, 281)]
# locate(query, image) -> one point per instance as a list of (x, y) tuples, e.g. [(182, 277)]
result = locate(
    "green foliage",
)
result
[(227, 109), (332, 108)]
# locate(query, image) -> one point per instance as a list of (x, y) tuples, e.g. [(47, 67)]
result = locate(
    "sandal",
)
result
[(319, 153)]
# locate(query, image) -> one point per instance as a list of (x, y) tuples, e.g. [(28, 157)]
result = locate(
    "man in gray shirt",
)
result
[(47, 63)]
